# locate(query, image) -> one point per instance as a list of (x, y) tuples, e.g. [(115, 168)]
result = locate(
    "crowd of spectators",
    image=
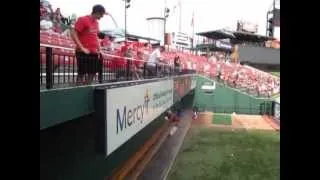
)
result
[(54, 21)]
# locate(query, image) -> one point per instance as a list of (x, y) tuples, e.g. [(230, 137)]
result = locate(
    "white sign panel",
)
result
[(221, 44), (209, 87), (130, 109)]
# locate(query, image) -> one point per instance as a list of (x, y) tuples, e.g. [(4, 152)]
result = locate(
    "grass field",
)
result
[(224, 119), (234, 155), (276, 73)]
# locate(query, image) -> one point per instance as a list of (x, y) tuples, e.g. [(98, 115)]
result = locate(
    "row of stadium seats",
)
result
[(237, 75), (54, 35)]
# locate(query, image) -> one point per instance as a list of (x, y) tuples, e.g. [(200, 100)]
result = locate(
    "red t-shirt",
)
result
[(88, 28)]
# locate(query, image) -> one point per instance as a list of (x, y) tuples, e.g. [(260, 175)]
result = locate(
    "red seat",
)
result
[(55, 35), (45, 40), (56, 51), (54, 42), (45, 33), (42, 50), (68, 52), (43, 59)]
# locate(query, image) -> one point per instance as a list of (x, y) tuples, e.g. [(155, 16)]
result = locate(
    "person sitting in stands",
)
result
[(177, 65), (57, 20), (107, 43), (154, 60), (143, 52), (46, 25), (143, 55), (133, 64), (43, 11)]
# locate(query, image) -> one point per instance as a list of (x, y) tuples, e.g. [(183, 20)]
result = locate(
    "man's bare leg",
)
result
[(90, 78)]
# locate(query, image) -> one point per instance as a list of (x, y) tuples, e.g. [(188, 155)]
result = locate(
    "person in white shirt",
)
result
[(153, 61)]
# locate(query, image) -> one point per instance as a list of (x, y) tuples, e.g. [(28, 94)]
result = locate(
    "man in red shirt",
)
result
[(85, 35)]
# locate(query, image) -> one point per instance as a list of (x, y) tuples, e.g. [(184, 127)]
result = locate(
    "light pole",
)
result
[(166, 15), (126, 6), (125, 20)]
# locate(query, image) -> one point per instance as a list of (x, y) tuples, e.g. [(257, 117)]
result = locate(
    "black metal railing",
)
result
[(58, 68)]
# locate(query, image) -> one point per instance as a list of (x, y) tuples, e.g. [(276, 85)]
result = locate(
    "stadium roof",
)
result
[(237, 36), (217, 34), (245, 36), (211, 47), (120, 34)]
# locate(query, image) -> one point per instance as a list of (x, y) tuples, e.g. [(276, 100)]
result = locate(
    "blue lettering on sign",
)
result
[(130, 117)]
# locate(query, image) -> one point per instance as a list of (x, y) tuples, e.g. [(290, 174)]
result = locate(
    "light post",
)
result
[(166, 15), (126, 6)]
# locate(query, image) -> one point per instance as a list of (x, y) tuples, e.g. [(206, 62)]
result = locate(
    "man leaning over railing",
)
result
[(85, 35)]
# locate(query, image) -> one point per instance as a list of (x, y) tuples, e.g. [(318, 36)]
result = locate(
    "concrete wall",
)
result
[(259, 55), (69, 136), (61, 105), (227, 100), (68, 150)]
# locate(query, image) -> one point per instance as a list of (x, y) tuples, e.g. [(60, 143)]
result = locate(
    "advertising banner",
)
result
[(208, 87), (130, 109), (223, 45)]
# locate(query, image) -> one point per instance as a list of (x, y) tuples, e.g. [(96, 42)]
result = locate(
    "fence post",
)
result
[(49, 68), (144, 70)]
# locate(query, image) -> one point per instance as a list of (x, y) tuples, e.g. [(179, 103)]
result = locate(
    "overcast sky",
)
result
[(208, 14)]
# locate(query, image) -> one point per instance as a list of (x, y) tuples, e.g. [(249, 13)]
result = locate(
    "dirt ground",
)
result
[(238, 122)]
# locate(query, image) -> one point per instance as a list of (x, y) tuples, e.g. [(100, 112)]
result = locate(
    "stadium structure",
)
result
[(107, 129)]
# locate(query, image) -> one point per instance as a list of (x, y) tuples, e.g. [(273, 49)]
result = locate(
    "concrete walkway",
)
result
[(160, 165)]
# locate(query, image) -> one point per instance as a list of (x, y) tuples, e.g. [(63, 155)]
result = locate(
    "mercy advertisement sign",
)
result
[(130, 109)]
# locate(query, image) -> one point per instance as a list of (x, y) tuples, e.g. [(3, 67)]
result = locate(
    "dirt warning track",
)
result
[(249, 122)]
